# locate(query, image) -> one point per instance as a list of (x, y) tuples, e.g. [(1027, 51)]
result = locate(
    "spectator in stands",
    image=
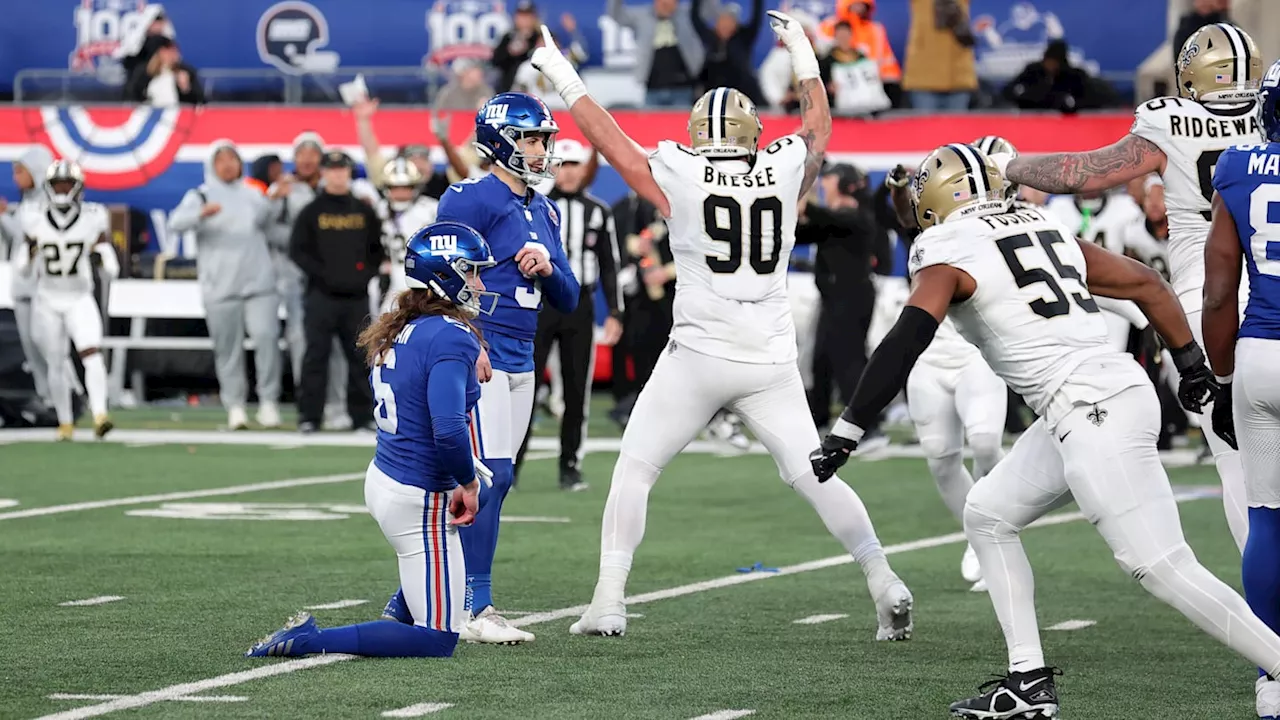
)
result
[(1203, 12), (264, 172), (941, 73), (1052, 83), (165, 81), (729, 44), (776, 81), (529, 80), (143, 39), (669, 55), (466, 89), (337, 243), (852, 79), (869, 38), (237, 283), (517, 45)]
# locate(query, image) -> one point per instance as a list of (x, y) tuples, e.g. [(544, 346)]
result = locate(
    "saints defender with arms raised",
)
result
[(1180, 138), (731, 208), (1018, 285)]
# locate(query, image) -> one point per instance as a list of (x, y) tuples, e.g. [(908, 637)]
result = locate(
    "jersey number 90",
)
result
[(723, 220)]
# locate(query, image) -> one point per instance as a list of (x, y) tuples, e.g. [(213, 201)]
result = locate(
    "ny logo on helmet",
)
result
[(495, 114), (1273, 76), (444, 244)]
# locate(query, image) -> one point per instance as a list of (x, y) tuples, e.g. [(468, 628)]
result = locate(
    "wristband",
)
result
[(847, 430), (804, 63), (1224, 379), (1187, 357)]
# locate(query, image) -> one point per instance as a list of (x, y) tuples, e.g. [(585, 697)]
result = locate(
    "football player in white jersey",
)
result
[(63, 234), (1181, 138), (731, 209), (404, 210), (1018, 285)]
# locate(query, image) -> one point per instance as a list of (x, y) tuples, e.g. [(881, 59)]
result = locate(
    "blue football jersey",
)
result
[(509, 222), (1248, 179), (406, 443)]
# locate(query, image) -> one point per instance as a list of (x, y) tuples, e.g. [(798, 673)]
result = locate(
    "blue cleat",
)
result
[(281, 642), (397, 610)]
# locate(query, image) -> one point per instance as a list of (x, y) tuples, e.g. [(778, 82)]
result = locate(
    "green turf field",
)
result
[(197, 592)]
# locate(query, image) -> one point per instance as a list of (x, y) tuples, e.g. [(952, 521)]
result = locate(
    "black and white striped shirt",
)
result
[(588, 235)]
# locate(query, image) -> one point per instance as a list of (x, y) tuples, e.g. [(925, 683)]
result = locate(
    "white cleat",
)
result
[(491, 628), (1268, 698), (268, 415), (893, 609), (607, 621), (237, 419), (979, 587), (970, 569)]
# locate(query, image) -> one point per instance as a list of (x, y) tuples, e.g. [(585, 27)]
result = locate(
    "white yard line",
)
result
[(186, 495), (100, 600), (1074, 625), (816, 619), (335, 605), (185, 698), (417, 710), (289, 666), (725, 715)]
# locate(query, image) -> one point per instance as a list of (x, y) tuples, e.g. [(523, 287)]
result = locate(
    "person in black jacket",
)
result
[(848, 238), (517, 45), (729, 45), (1053, 83), (337, 243), (1203, 12), (165, 80)]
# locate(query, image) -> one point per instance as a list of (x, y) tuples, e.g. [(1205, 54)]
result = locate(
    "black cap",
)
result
[(526, 6), (336, 159), (849, 177)]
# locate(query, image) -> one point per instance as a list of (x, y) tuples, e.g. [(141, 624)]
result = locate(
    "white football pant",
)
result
[(501, 416), (57, 317), (1255, 394), (433, 574), (1104, 456)]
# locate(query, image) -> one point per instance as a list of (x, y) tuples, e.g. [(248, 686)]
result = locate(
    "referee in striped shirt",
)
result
[(587, 232)]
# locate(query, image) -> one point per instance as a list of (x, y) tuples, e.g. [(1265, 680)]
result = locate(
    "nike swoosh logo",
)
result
[(1064, 435), (1028, 685), (455, 188)]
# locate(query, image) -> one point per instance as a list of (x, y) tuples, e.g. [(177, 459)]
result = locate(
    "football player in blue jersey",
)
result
[(1245, 356), (516, 133), (421, 485)]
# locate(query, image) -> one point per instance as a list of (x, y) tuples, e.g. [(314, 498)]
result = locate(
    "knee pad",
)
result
[(937, 448), (1164, 568), (983, 516), (942, 463)]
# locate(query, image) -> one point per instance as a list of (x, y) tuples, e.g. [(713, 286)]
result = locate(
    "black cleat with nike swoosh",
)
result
[(1017, 696)]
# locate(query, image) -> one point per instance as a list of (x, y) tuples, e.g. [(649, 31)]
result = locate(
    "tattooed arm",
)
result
[(1067, 173), (815, 113)]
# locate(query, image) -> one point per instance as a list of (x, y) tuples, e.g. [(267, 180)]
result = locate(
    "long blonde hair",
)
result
[(409, 305)]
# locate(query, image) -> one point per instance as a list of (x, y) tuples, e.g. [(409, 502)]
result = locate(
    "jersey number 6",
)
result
[(385, 412), (722, 218), (1025, 276)]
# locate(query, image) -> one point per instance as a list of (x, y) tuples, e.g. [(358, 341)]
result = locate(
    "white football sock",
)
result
[(846, 518), (1010, 583), (95, 381), (953, 482), (623, 526)]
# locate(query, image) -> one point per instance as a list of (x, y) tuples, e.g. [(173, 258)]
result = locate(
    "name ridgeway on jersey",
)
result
[(758, 180), (1195, 127)]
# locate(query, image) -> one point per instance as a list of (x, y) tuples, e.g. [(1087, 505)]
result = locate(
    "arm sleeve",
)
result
[(377, 251), (187, 215), (620, 14), (197, 89), (890, 365), (561, 287), (302, 246), (699, 24), (447, 398)]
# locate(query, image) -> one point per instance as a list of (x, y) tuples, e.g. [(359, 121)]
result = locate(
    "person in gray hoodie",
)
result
[(237, 281), (295, 191), (669, 52), (28, 175)]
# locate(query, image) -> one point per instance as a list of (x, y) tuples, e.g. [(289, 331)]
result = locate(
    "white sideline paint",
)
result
[(100, 600), (417, 710), (185, 698), (815, 619), (725, 715), (7, 502), (288, 666), (186, 495), (336, 605), (1074, 625)]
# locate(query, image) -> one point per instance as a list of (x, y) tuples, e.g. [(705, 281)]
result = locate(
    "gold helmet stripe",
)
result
[(718, 115), (973, 168), (1240, 48)]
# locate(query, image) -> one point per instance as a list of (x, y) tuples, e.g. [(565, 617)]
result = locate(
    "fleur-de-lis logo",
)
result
[(1097, 416)]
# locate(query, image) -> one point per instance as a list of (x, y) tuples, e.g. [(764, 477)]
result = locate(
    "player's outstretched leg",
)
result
[(50, 333), (301, 636)]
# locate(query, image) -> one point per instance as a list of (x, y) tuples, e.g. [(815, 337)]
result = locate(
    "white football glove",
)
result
[(483, 473), (1002, 161), (804, 62), (557, 69)]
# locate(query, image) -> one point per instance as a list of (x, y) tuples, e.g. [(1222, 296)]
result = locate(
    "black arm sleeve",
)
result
[(606, 249), (891, 363)]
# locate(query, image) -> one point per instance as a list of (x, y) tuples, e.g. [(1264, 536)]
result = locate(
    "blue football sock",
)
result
[(1261, 569), (381, 639), (480, 541), (398, 608)]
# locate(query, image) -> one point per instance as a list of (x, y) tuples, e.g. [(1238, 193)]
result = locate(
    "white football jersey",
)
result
[(62, 254), (731, 230), (1192, 136), (397, 228), (1102, 221), (1032, 316), (949, 349)]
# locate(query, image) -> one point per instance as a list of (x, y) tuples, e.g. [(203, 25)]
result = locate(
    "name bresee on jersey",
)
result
[(62, 254), (1031, 316), (1192, 136), (732, 228)]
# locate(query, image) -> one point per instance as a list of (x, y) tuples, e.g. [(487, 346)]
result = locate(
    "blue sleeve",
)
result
[(1222, 174), (447, 398), (561, 287), (462, 203)]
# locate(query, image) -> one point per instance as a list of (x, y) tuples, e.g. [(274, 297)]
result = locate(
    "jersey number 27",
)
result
[(722, 217), (1025, 276)]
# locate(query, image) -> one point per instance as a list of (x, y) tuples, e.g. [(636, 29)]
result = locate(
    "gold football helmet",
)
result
[(957, 181), (1220, 63), (401, 172), (724, 123), (992, 144)]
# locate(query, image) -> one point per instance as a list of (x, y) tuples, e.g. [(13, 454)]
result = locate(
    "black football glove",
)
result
[(832, 456), (897, 177), (1224, 422), (1196, 386)]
